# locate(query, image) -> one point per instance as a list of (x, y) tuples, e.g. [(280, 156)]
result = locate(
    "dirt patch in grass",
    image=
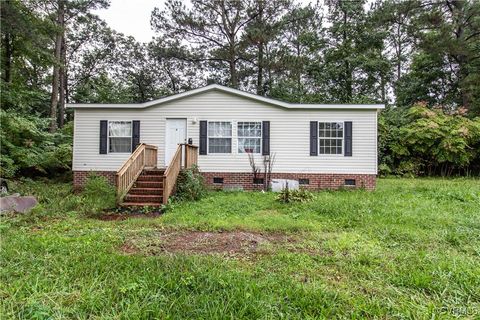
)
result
[(231, 243)]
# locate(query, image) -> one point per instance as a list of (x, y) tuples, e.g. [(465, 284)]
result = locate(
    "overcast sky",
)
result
[(132, 17)]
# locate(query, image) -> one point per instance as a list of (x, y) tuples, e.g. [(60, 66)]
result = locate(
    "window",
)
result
[(330, 137), (303, 181), (120, 136), (350, 182), (217, 180), (258, 180), (249, 137), (219, 137)]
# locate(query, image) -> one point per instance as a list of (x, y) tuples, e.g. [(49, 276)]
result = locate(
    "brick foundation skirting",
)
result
[(315, 181), (245, 179), (80, 177)]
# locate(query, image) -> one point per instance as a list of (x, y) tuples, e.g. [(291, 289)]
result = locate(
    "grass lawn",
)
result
[(410, 249)]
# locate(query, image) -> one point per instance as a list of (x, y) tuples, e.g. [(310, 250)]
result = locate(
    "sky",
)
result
[(131, 17)]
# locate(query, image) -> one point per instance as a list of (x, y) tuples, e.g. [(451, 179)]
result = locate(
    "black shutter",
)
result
[(203, 138), (135, 134), (348, 138), (265, 138), (103, 136), (313, 138)]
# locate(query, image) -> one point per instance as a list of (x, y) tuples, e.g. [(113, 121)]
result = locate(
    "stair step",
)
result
[(153, 172), (142, 190), (141, 204), (149, 184), (144, 177), (143, 198)]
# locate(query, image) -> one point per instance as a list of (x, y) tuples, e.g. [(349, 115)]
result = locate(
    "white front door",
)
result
[(176, 133)]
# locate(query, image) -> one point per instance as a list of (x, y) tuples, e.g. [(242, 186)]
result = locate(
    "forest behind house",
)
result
[(420, 58)]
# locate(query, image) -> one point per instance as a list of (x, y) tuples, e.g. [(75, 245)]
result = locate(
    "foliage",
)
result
[(27, 148), (286, 195), (423, 141), (57, 199), (190, 185), (99, 194), (412, 245)]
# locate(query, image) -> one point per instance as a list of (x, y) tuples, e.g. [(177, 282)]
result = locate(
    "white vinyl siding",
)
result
[(289, 134)]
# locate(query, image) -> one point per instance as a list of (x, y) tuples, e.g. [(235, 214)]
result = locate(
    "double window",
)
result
[(119, 136), (249, 137), (330, 137), (219, 137)]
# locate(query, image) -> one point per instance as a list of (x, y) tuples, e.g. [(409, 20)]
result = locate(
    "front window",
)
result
[(219, 137), (330, 137), (249, 137), (120, 136)]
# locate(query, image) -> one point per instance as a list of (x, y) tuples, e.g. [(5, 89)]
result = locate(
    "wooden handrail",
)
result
[(191, 155), (144, 156), (171, 174)]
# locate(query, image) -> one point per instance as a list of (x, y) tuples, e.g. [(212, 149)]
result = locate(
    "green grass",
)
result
[(410, 249)]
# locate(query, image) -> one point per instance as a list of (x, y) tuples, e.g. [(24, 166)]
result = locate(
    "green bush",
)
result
[(427, 141), (190, 185), (300, 195), (98, 195), (27, 146)]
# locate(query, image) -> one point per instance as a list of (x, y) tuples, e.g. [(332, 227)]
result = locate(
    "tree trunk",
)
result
[(260, 90), (348, 73), (383, 89), (260, 44), (63, 84), (8, 39), (233, 73), (56, 67)]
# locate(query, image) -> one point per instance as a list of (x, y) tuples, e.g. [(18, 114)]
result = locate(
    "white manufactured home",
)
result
[(321, 145)]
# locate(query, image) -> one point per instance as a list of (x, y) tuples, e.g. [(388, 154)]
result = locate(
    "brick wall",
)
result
[(245, 179), (80, 177), (316, 180)]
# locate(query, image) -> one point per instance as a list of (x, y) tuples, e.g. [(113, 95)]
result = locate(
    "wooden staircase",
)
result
[(140, 183), (147, 189)]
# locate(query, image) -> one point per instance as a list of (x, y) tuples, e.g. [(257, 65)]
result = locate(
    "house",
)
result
[(321, 145)]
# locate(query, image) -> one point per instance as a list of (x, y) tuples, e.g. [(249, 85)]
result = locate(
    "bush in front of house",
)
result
[(190, 185), (98, 195)]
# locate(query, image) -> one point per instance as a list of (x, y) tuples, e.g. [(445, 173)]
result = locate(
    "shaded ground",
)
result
[(232, 243), (125, 216)]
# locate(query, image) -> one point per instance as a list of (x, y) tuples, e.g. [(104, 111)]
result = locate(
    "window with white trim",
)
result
[(249, 137), (219, 137), (119, 136), (330, 137)]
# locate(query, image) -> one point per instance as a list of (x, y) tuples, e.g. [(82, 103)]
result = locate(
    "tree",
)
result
[(66, 11), (447, 37), (354, 60), (268, 22), (297, 57), (212, 29), (25, 56)]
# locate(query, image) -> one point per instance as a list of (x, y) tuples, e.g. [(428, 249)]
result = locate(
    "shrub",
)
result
[(29, 149), (98, 195), (190, 185), (428, 141), (300, 195)]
